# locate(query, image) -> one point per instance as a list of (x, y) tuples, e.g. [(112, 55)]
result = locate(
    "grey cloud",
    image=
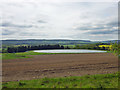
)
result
[(90, 27), (7, 32), (26, 34), (83, 28), (7, 24), (41, 21), (98, 26), (31, 34), (104, 32), (114, 23)]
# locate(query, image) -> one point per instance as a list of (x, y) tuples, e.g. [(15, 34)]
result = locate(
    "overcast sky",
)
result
[(59, 20)]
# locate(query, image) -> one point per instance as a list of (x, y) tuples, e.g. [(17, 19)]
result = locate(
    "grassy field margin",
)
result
[(6, 56), (87, 81)]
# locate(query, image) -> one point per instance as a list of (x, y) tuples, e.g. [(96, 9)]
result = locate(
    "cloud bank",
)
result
[(59, 20)]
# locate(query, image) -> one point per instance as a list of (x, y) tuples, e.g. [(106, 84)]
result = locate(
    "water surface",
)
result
[(69, 51)]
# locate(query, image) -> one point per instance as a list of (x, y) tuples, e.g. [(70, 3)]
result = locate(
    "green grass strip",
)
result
[(87, 81)]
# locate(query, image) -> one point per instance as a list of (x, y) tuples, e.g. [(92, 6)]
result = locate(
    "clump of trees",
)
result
[(116, 48), (28, 48), (92, 46)]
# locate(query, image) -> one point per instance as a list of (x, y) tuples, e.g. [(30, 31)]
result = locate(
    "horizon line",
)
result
[(58, 39)]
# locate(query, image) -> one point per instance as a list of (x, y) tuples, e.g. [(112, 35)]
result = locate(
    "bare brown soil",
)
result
[(59, 65)]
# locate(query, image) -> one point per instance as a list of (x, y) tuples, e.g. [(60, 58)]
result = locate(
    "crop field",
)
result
[(58, 65), (70, 46), (59, 70), (106, 46)]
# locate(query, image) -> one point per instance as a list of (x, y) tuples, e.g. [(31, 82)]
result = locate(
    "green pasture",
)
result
[(70, 46), (20, 55)]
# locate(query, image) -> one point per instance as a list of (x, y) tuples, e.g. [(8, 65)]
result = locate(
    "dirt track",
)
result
[(59, 65)]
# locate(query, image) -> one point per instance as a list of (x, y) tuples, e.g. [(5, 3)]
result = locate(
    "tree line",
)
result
[(28, 48), (14, 49), (92, 46)]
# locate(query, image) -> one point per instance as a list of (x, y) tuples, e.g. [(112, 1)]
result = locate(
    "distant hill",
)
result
[(52, 41), (44, 41), (111, 41)]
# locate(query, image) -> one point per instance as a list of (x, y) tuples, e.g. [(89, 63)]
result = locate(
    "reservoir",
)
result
[(69, 51)]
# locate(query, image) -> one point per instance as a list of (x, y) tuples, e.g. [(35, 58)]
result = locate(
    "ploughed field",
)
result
[(58, 65)]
